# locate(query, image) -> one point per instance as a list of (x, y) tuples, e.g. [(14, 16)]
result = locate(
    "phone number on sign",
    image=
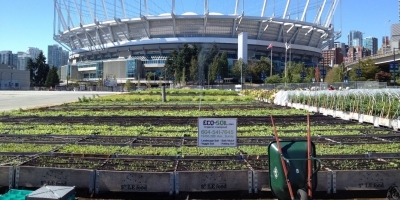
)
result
[(217, 132)]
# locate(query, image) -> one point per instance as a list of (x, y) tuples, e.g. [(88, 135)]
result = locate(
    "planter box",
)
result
[(213, 181), (369, 119), (261, 181), (321, 110), (376, 121), (338, 113), (361, 118), (127, 181), (394, 123), (345, 116), (354, 116), (7, 176), (330, 112), (313, 109), (27, 177), (366, 180), (306, 107), (384, 122)]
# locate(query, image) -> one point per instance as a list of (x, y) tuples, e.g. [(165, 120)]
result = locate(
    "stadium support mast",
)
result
[(173, 7), (320, 13), (263, 9), (331, 12), (90, 10), (105, 9), (303, 17), (122, 7), (145, 8), (205, 7), (237, 7), (286, 9)]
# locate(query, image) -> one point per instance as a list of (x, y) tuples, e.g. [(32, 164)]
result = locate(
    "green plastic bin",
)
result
[(295, 155), (15, 194)]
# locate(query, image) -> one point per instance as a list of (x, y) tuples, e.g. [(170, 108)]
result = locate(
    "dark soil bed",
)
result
[(158, 141), (361, 164), (108, 140), (65, 162), (139, 165), (39, 138), (210, 165)]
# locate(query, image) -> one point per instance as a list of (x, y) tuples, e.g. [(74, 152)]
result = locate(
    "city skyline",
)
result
[(32, 26)]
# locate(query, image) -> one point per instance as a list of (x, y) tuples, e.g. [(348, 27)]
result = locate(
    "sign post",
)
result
[(217, 132)]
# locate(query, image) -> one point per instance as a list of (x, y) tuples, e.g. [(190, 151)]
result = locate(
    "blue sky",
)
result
[(29, 23)]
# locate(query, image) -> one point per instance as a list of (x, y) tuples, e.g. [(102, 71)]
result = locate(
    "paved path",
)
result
[(12, 100)]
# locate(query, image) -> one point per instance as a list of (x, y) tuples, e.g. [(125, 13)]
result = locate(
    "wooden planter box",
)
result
[(128, 181), (35, 177), (365, 180), (213, 181)]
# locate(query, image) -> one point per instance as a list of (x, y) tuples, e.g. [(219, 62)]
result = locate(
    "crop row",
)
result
[(171, 113), (179, 131), (321, 149), (383, 103)]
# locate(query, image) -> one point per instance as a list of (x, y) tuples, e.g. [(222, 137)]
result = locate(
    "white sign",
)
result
[(217, 132)]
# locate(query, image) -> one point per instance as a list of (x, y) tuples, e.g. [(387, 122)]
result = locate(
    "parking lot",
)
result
[(11, 100)]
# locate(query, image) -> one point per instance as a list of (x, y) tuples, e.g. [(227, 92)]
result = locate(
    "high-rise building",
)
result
[(6, 57), (395, 36), (354, 38), (23, 58), (56, 56), (33, 52), (332, 57), (342, 46), (371, 43)]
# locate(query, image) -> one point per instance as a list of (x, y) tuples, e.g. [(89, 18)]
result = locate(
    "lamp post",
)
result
[(11, 80), (1, 78), (358, 72), (394, 66)]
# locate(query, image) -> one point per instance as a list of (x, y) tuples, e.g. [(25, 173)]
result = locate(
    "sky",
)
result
[(29, 23)]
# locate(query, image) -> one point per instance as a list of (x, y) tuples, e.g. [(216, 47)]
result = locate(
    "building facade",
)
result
[(354, 38), (56, 56), (33, 52), (6, 57), (371, 43), (395, 36), (332, 57)]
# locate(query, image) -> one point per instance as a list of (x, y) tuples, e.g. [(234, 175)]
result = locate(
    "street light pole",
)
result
[(11, 80), (1, 78)]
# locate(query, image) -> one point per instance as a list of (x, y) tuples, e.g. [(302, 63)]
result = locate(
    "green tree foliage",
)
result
[(215, 69), (255, 69), (368, 70), (274, 79), (383, 76), (193, 71), (128, 85), (52, 78), (170, 64), (236, 69), (38, 70), (224, 65), (183, 78), (333, 75)]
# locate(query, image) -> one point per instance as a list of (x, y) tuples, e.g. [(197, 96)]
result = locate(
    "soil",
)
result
[(108, 140), (361, 164), (65, 162), (210, 165), (158, 142), (139, 165), (39, 138)]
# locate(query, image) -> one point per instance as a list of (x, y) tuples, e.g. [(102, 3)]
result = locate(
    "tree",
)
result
[(215, 69), (333, 75), (317, 74), (193, 71), (138, 80), (128, 85), (274, 79), (224, 65), (32, 68), (368, 70), (383, 76), (257, 68), (52, 78), (42, 69), (183, 79), (239, 67), (170, 64)]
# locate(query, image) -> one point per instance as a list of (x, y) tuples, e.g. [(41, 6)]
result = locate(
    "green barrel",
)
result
[(295, 153)]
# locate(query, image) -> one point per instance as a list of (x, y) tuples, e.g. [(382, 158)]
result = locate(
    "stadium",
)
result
[(119, 40)]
